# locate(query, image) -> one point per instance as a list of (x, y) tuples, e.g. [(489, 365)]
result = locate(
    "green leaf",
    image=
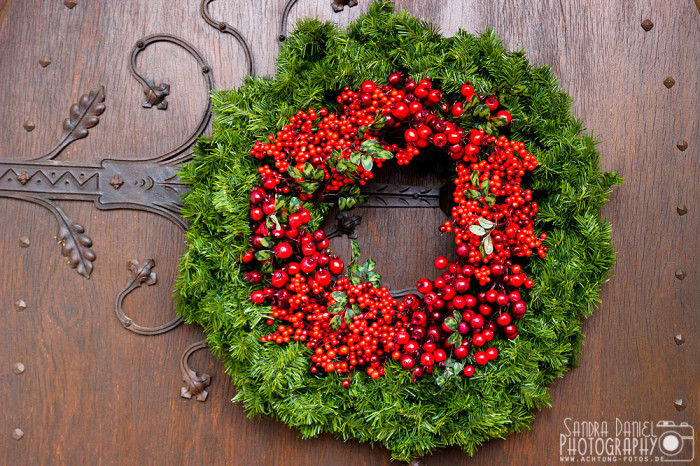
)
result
[(334, 324), (340, 297), (294, 204), (266, 267), (308, 170), (356, 158), (294, 173), (318, 174), (473, 194), (370, 264), (451, 324), (477, 230), (361, 131), (457, 315), (332, 161), (374, 278), (367, 162), (349, 314), (309, 188), (346, 165), (486, 224), (475, 178), (335, 308), (455, 339), (485, 186), (440, 380), (275, 222), (355, 250), (266, 242), (263, 254), (488, 245), (346, 203), (490, 200)]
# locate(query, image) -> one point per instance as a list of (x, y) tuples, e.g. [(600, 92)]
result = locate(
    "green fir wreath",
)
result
[(410, 417)]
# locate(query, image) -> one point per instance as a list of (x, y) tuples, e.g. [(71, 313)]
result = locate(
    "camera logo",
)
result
[(676, 441)]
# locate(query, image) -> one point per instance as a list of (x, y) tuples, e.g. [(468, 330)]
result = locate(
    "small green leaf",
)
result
[(318, 174), (458, 367), (309, 188), (340, 297), (343, 203), (361, 131), (294, 173), (488, 245), (486, 224), (490, 200), (455, 339), (335, 308), (332, 161), (308, 170), (367, 162), (349, 314), (485, 187), (477, 230), (473, 194), (355, 250), (263, 254), (275, 222), (334, 325), (294, 204), (475, 178), (440, 380), (266, 242), (346, 165), (355, 280), (374, 278), (458, 315), (451, 324), (370, 264), (371, 145), (356, 158)]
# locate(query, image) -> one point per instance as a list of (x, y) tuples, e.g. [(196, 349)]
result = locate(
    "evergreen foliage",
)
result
[(410, 419)]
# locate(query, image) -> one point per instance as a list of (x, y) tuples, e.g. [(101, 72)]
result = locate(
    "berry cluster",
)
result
[(348, 321)]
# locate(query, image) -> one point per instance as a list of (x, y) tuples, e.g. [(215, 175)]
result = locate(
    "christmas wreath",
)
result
[(320, 344)]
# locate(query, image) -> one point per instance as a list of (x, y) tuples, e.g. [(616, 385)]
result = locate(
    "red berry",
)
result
[(462, 352), (257, 296), (503, 319), (305, 216), (475, 137), (368, 87), (453, 137), (504, 114), (440, 140), (478, 340), (402, 338), (427, 359), (467, 91), (336, 266), (407, 362), (440, 355), (279, 279), (256, 214), (434, 96), (491, 102), (247, 257), (519, 309), (414, 107), (477, 322), (468, 371), (470, 151), (308, 264), (424, 285), (419, 318), (295, 221), (283, 250), (323, 278), (269, 208), (481, 358), (440, 263), (457, 109), (293, 268), (394, 79), (411, 135), (346, 383), (400, 110), (492, 353)]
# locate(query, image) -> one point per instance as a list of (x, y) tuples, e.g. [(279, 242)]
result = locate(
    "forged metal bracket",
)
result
[(195, 384)]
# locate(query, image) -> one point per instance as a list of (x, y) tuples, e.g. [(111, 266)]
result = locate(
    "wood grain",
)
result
[(94, 393)]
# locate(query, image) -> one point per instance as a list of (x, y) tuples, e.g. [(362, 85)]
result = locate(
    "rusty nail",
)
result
[(680, 274), (222, 25), (116, 182), (647, 24), (29, 126), (17, 434), (24, 242), (23, 178), (281, 37), (18, 368), (139, 43), (669, 82), (45, 61), (679, 339), (682, 210), (20, 305), (679, 404), (682, 145), (205, 69), (70, 3)]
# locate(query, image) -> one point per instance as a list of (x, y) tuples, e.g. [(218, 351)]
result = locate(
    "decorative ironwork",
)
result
[(155, 95), (339, 5), (228, 29), (346, 224), (283, 21), (141, 273), (195, 384)]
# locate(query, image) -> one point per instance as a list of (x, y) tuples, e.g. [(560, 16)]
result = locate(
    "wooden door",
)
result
[(81, 385)]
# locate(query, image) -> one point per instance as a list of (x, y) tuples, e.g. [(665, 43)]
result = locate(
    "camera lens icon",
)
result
[(676, 441)]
